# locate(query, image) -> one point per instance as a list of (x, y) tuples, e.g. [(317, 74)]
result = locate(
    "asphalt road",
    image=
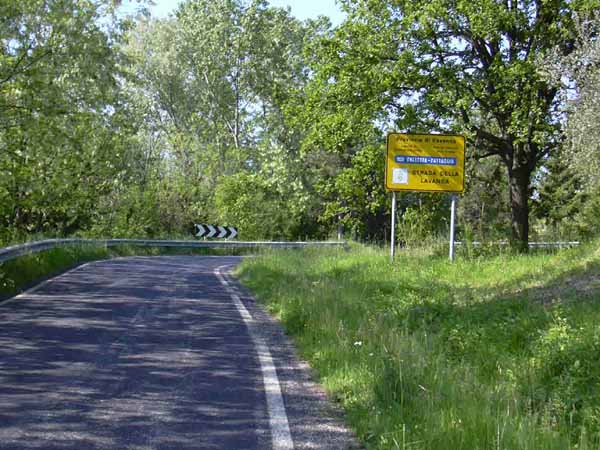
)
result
[(154, 353)]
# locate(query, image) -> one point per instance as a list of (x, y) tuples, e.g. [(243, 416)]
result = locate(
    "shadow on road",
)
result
[(130, 353)]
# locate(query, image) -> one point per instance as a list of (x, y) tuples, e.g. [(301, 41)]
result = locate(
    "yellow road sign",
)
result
[(425, 162)]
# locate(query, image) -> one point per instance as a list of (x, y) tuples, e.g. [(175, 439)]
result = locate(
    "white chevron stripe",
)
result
[(201, 230), (232, 232), (212, 231)]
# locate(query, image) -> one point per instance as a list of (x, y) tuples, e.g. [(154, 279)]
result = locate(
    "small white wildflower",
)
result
[(358, 343)]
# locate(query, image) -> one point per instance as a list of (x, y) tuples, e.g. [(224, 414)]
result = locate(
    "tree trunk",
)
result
[(519, 178)]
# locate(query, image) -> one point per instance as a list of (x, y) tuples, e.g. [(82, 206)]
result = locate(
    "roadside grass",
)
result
[(25, 271), (496, 352)]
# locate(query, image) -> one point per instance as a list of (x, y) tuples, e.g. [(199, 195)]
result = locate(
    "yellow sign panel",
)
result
[(425, 162)]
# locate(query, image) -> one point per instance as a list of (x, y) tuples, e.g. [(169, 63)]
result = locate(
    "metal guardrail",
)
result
[(558, 244), (554, 244), (12, 252)]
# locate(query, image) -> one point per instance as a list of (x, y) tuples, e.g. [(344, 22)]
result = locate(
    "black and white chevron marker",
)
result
[(215, 231)]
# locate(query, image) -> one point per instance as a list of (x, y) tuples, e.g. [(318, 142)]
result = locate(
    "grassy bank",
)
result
[(24, 271), (487, 353)]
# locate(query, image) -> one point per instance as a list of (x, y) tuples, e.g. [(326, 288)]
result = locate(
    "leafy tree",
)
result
[(452, 65), (256, 207), (560, 197), (341, 149), (268, 202), (569, 181), (59, 103), (483, 212), (574, 175), (588, 218), (578, 73), (356, 197), (215, 81)]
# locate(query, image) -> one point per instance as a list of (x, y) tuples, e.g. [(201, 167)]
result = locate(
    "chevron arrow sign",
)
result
[(211, 231), (215, 231)]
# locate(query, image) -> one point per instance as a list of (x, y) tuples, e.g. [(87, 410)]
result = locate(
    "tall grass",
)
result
[(487, 353)]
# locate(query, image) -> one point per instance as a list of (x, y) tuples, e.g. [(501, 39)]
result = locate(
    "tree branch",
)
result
[(14, 70)]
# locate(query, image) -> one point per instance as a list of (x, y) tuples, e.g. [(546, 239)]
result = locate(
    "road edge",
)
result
[(281, 437)]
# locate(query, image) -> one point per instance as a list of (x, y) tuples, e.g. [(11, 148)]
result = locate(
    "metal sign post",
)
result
[(393, 233), (452, 220)]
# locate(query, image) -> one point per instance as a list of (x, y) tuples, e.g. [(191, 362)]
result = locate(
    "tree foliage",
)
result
[(449, 65), (579, 74), (214, 81), (61, 140), (235, 112), (569, 184)]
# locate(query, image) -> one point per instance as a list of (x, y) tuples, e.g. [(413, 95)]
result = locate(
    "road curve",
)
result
[(153, 353)]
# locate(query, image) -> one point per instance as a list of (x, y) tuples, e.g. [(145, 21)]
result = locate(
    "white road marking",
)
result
[(281, 437)]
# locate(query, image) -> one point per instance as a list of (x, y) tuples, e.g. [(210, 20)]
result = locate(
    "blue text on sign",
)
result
[(433, 160)]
